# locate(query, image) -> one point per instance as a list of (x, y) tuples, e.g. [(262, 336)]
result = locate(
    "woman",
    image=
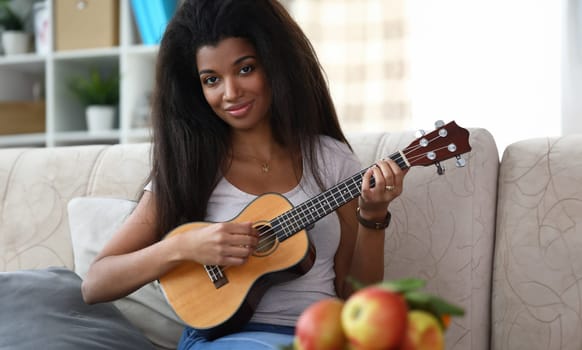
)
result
[(242, 108)]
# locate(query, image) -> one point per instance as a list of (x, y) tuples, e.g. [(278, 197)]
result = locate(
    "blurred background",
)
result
[(513, 67)]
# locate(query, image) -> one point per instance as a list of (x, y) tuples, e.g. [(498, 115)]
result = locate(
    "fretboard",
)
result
[(314, 209)]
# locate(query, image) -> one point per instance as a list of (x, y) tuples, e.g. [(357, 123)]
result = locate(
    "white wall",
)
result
[(20, 87), (487, 63), (572, 68)]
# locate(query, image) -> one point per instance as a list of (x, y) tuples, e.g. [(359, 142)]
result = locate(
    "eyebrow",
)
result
[(238, 61)]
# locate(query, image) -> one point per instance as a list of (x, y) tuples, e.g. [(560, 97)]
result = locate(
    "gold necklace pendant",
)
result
[(265, 167)]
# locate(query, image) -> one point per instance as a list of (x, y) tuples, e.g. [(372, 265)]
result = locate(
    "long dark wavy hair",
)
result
[(190, 143)]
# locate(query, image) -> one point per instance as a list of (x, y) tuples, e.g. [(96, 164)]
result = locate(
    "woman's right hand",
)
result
[(227, 243)]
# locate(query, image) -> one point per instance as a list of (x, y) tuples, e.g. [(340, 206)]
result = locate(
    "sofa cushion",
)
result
[(43, 309), (93, 221)]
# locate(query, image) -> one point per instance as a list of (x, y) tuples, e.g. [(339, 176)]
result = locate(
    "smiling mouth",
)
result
[(240, 110)]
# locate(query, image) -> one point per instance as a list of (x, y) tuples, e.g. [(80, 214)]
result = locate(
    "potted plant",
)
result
[(15, 40), (99, 93)]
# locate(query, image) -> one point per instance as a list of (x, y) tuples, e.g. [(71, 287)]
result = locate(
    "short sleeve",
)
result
[(338, 160)]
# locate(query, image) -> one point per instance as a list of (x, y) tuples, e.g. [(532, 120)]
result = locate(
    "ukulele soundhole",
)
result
[(268, 241)]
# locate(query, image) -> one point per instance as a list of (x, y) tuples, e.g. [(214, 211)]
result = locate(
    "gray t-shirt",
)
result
[(283, 303)]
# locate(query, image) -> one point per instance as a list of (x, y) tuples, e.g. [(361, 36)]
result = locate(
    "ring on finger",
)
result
[(389, 188)]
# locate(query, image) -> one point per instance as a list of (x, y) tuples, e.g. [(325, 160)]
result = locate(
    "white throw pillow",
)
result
[(93, 221)]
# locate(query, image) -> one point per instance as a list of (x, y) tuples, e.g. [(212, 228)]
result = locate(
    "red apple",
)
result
[(319, 326), (424, 332), (375, 318)]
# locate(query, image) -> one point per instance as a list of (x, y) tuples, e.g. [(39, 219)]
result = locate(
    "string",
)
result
[(272, 231), (268, 236), (297, 212)]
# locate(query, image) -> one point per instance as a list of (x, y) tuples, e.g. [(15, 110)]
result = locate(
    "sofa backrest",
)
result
[(537, 282), (36, 185), (442, 227)]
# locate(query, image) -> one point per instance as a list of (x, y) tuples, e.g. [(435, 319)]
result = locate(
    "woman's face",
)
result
[(234, 83)]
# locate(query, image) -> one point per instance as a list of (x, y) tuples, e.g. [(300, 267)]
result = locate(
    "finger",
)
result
[(380, 181), (245, 240), (366, 183), (397, 173), (242, 228), (367, 178), (387, 173), (238, 252), (231, 261)]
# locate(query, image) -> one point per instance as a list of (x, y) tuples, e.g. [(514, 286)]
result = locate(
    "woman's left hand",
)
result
[(388, 178)]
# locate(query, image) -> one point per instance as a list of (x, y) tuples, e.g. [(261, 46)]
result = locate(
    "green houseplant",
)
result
[(15, 40), (96, 88), (99, 93), (9, 20)]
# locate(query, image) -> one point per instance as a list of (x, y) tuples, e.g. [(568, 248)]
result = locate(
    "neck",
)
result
[(260, 146)]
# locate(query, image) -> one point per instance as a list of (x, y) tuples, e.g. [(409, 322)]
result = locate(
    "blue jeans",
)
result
[(253, 336)]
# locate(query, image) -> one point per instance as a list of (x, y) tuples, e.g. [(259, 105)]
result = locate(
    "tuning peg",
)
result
[(439, 123), (440, 168), (420, 133), (460, 162)]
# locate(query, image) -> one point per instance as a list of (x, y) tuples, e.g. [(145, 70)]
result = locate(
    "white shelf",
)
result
[(22, 62), (86, 137), (65, 121), (87, 54), (23, 140), (139, 134), (142, 49)]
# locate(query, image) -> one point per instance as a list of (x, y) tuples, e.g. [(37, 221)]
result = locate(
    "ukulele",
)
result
[(216, 301)]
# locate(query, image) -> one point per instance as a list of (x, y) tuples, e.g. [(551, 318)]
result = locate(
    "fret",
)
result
[(334, 197), (312, 210), (426, 151), (216, 275), (291, 222), (342, 192), (282, 219), (280, 231), (355, 186), (400, 159)]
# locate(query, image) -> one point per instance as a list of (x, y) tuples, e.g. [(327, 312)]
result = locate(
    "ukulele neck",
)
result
[(314, 209)]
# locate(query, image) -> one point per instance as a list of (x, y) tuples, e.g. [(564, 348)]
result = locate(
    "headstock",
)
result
[(446, 141)]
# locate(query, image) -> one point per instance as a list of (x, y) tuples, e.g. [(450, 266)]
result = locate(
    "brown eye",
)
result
[(247, 69), (210, 80)]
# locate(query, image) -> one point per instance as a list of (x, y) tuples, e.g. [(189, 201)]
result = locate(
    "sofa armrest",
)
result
[(538, 262)]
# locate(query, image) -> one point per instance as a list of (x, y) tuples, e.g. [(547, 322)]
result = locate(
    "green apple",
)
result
[(375, 318), (319, 326)]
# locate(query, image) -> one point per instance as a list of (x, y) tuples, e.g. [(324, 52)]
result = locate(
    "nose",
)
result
[(231, 89)]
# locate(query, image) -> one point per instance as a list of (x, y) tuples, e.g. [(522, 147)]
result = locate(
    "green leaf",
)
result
[(417, 299), (96, 88), (438, 306), (8, 18), (403, 285), (443, 307), (356, 285)]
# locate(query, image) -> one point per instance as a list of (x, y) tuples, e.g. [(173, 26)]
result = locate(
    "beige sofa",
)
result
[(502, 239)]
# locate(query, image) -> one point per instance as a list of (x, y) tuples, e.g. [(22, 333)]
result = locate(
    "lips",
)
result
[(239, 110)]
